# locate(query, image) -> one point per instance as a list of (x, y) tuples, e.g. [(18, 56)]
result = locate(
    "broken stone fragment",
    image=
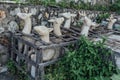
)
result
[(40, 16), (13, 26), (15, 11), (33, 11), (56, 25)]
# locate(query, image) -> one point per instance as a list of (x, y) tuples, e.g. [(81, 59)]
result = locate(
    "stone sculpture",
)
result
[(111, 20), (26, 30), (56, 25), (68, 17), (43, 32), (47, 53), (27, 20), (87, 23)]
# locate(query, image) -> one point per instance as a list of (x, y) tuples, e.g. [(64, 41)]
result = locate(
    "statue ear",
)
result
[(50, 29)]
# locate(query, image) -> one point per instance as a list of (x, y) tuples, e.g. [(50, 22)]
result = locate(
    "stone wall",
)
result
[(40, 15)]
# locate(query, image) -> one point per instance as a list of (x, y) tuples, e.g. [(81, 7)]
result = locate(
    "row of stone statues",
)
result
[(56, 22), (44, 31)]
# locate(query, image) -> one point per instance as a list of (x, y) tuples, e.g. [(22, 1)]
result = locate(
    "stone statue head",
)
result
[(42, 30), (24, 16), (57, 20)]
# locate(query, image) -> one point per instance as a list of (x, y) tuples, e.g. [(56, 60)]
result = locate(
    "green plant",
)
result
[(116, 77), (89, 61), (55, 72), (42, 2), (34, 1), (11, 67), (102, 17), (116, 7), (14, 71), (79, 23)]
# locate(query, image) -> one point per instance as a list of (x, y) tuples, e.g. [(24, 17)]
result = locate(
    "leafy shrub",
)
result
[(102, 17), (18, 74), (80, 5), (115, 7), (55, 72), (89, 61), (116, 77), (11, 67)]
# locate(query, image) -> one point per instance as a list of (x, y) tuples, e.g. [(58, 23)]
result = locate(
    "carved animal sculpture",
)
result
[(43, 32), (26, 30), (56, 25), (68, 17), (27, 20), (47, 53), (87, 23), (111, 20)]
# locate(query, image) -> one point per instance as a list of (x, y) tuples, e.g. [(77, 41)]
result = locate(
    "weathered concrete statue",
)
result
[(47, 53), (56, 25), (68, 17), (27, 20), (87, 24), (43, 32), (111, 20), (26, 30)]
